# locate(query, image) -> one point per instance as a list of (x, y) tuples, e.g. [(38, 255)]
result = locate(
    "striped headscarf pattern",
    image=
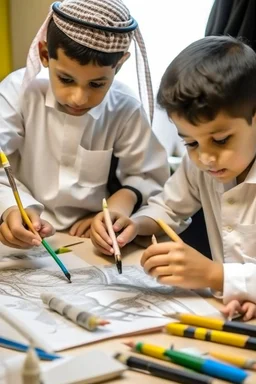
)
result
[(102, 25)]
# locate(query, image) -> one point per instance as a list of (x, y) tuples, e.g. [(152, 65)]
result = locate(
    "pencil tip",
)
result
[(103, 322), (130, 344), (119, 266)]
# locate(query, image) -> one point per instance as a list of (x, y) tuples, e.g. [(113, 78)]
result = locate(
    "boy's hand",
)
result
[(82, 228), (15, 235), (247, 309), (100, 237), (181, 265)]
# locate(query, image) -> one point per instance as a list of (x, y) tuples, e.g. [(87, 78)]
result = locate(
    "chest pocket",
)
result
[(93, 167), (247, 235)]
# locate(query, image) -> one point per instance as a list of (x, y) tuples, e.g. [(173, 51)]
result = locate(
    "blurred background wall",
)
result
[(25, 18)]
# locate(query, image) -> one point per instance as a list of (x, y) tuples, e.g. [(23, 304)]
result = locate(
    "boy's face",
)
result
[(77, 88), (225, 148)]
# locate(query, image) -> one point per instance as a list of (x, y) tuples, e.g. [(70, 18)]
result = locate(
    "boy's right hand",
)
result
[(15, 235), (99, 235)]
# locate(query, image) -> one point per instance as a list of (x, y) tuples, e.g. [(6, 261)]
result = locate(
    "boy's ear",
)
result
[(43, 53), (122, 61)]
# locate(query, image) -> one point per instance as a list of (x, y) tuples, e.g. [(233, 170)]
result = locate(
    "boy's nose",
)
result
[(206, 158), (79, 98)]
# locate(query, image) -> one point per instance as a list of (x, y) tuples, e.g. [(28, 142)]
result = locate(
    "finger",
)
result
[(99, 231), (249, 310), (98, 239), (74, 227), (127, 235), (103, 250), (156, 261), (8, 239), (160, 248), (15, 230), (87, 234), (46, 229), (83, 227), (231, 309), (161, 271), (34, 218)]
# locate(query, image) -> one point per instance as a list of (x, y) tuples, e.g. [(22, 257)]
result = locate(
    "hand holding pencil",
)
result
[(176, 263)]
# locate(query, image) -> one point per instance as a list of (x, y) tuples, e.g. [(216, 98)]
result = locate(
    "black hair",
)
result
[(83, 55), (214, 74)]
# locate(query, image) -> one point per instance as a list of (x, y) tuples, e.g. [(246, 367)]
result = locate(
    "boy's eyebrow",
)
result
[(68, 75), (220, 130)]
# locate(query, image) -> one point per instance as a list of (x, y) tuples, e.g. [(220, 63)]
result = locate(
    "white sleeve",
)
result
[(239, 282), (143, 162), (178, 201), (11, 140)]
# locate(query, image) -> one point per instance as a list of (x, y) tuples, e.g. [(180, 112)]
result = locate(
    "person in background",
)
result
[(64, 118)]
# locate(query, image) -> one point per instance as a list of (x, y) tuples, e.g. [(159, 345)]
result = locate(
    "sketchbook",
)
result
[(132, 302)]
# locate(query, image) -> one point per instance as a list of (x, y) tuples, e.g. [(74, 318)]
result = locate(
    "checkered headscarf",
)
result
[(100, 25)]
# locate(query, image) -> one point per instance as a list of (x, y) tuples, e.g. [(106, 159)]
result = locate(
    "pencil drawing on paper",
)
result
[(129, 296)]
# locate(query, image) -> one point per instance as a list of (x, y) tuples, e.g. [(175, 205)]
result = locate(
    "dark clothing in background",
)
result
[(236, 18)]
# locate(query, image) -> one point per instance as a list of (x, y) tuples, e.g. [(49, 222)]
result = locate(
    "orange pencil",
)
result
[(168, 230)]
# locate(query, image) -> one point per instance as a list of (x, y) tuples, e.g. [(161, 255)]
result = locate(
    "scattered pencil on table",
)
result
[(74, 313), (237, 360), (215, 323), (160, 370), (7, 167), (168, 230), (221, 337), (112, 235), (21, 347), (66, 248), (196, 363)]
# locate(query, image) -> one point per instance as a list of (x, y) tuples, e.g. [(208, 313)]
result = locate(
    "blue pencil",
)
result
[(10, 344)]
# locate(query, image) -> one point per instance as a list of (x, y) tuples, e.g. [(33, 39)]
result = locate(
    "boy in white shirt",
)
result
[(61, 125), (209, 92)]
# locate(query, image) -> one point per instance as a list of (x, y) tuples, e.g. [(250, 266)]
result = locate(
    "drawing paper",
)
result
[(132, 302)]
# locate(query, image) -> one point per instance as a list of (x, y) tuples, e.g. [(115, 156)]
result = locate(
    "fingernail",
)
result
[(36, 242)]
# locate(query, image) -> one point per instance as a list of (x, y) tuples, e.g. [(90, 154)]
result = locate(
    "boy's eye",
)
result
[(97, 85), (65, 80), (223, 141), (191, 145)]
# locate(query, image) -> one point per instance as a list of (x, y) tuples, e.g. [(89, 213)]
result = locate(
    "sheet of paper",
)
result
[(132, 301)]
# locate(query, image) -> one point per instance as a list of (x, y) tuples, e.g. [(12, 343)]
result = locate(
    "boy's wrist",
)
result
[(216, 277)]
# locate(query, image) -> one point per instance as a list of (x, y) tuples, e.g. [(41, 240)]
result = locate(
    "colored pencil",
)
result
[(26, 219), (196, 363), (112, 235), (17, 346), (168, 230), (159, 370), (239, 361), (218, 324), (221, 337)]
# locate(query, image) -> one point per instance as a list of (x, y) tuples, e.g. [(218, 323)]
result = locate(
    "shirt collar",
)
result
[(251, 177)]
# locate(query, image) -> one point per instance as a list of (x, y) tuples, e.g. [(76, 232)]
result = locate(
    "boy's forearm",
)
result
[(216, 277), (122, 201), (146, 226)]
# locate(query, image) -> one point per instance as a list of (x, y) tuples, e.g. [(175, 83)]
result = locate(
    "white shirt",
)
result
[(230, 215), (63, 161)]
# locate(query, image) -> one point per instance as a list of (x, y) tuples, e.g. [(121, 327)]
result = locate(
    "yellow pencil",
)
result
[(168, 230), (221, 337), (26, 219), (215, 323), (239, 361)]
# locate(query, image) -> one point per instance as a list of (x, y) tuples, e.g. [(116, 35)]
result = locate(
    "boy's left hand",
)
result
[(176, 263), (247, 309), (82, 227)]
